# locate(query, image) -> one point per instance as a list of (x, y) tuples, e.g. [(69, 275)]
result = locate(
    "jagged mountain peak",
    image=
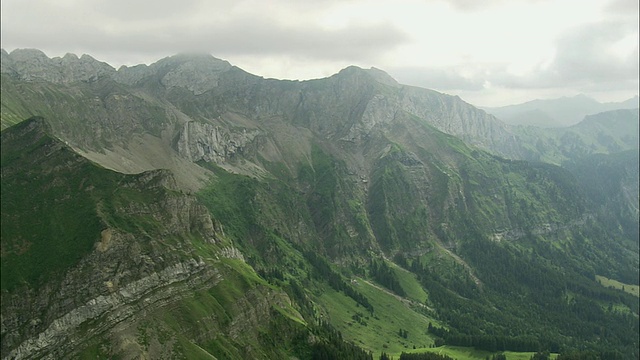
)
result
[(194, 57), (373, 73), (28, 53), (35, 65), (382, 77), (198, 72)]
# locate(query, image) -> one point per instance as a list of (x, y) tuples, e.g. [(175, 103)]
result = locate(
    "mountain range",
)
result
[(189, 209), (557, 113)]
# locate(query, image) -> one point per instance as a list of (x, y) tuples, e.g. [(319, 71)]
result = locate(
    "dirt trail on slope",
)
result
[(405, 301)]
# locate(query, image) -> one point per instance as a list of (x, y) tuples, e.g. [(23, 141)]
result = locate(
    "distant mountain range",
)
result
[(553, 113)]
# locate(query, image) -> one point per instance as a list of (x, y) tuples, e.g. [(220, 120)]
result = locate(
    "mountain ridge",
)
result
[(322, 187), (559, 112), (448, 114), (290, 106)]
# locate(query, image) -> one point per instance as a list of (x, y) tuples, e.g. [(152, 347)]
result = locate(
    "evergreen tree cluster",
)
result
[(329, 343), (334, 347), (382, 273), (271, 274), (424, 356), (526, 304), (463, 285), (591, 355), (334, 279), (541, 355), (486, 342)]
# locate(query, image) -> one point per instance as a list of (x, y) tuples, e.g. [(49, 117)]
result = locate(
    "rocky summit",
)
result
[(189, 209)]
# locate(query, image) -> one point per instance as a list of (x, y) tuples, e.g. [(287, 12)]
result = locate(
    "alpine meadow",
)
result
[(188, 209)]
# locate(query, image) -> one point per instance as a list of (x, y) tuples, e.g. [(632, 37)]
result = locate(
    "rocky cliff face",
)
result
[(205, 142), (119, 300)]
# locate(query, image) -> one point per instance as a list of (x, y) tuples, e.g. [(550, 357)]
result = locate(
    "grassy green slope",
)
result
[(49, 214), (465, 353), (606, 282), (378, 331)]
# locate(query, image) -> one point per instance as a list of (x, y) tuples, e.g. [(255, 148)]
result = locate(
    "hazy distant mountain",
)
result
[(607, 132), (562, 112)]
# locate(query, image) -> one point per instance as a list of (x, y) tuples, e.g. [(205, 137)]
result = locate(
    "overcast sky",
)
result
[(491, 53)]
